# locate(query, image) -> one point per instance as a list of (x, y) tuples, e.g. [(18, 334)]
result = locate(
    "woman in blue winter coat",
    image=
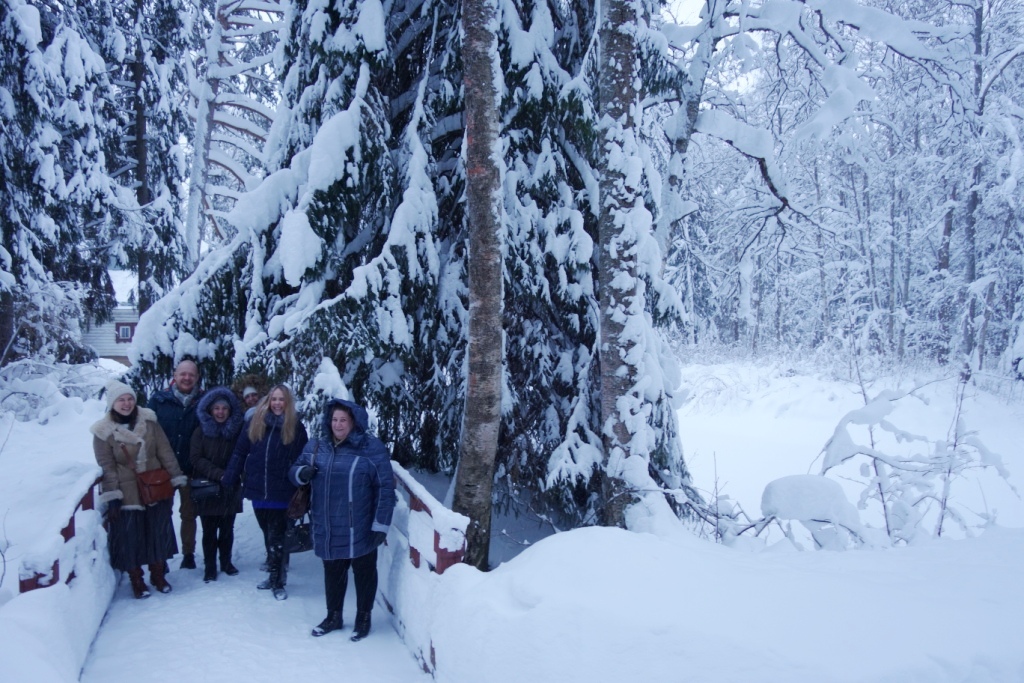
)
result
[(352, 500), (266, 449)]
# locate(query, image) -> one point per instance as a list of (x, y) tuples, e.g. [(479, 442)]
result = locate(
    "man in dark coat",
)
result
[(175, 410)]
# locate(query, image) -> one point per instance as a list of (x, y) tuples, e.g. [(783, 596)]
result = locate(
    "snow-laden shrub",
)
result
[(908, 477), (31, 389)]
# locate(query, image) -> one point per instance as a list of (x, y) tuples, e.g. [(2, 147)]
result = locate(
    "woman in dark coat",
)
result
[(128, 439), (220, 422), (266, 449), (352, 498)]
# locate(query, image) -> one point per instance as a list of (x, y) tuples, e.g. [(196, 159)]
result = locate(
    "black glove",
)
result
[(379, 537), (113, 510), (306, 473)]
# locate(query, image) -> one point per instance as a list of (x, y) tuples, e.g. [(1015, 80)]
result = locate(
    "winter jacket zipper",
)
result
[(328, 471), (266, 465), (351, 510)]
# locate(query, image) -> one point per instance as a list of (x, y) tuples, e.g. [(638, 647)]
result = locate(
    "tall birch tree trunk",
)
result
[(620, 296), (482, 417)]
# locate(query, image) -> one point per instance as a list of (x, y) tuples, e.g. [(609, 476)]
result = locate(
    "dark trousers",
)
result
[(364, 569), (274, 524), (188, 520), (218, 537)]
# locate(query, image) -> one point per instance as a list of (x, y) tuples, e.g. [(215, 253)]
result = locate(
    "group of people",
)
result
[(253, 447)]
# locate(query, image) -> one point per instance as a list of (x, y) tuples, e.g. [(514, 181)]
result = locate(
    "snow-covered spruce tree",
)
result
[(366, 294), (549, 450), (640, 447), (53, 183), (337, 256), (354, 260), (235, 94), (151, 162)]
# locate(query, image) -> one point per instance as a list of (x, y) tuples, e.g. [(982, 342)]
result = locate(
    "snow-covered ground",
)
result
[(230, 631), (587, 605)]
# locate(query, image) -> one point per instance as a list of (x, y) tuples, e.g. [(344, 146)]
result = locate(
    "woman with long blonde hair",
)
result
[(266, 450)]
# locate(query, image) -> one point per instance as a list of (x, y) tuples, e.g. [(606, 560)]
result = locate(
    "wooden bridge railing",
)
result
[(426, 539), (29, 576)]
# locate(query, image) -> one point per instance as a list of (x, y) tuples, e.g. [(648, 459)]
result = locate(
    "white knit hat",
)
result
[(116, 389)]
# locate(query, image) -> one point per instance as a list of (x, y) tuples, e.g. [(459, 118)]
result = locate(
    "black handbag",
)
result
[(204, 490), (299, 537)]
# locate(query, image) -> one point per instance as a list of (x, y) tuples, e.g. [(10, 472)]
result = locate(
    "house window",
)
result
[(125, 332)]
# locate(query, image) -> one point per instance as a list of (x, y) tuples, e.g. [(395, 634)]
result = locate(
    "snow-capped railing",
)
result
[(42, 567), (427, 538), (436, 534)]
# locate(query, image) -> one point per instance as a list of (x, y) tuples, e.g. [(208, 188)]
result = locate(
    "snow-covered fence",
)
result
[(430, 538), (54, 545)]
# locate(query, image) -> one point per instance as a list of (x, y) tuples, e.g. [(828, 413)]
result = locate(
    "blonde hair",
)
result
[(258, 427)]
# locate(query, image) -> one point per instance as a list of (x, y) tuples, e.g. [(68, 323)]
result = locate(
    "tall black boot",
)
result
[(277, 576), (209, 554), (225, 543), (362, 628), (331, 623)]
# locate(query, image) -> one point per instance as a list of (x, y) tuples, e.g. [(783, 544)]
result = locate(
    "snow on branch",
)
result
[(755, 143)]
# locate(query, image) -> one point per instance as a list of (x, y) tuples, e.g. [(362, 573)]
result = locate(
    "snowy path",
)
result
[(229, 631)]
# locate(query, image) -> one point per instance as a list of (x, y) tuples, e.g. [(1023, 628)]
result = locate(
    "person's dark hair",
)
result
[(128, 419), (346, 409)]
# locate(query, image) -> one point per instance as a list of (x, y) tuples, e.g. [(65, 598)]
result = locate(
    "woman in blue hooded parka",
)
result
[(352, 498), (220, 422)]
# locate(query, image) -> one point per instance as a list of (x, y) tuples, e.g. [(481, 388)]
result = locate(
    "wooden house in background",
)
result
[(113, 339)]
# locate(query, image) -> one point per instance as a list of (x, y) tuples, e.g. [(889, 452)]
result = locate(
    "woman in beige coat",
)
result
[(128, 439)]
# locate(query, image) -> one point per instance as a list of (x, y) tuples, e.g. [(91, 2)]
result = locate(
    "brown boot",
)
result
[(139, 588), (156, 577)]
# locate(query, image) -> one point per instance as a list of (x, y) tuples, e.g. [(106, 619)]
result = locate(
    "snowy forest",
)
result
[(515, 219)]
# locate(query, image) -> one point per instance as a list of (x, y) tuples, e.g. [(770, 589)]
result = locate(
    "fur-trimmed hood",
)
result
[(359, 415), (228, 429)]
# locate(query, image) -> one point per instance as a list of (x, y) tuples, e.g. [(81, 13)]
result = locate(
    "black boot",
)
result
[(276, 583), (209, 558), (225, 557), (362, 628), (224, 544), (188, 561), (331, 623)]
